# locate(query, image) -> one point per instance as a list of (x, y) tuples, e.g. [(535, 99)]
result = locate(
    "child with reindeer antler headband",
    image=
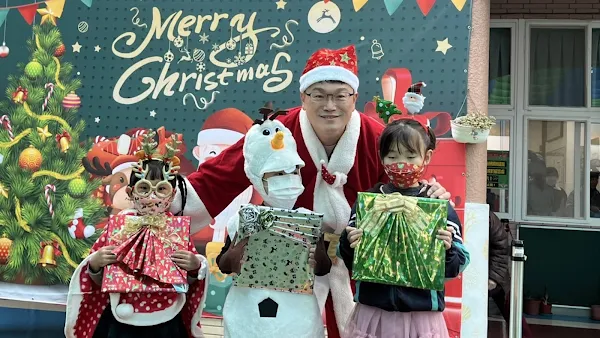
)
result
[(143, 276), (388, 310)]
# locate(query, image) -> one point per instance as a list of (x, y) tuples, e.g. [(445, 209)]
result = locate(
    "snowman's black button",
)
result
[(268, 308)]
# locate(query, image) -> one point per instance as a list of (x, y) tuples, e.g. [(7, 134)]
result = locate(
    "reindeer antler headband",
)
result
[(149, 152), (386, 109), (268, 113)]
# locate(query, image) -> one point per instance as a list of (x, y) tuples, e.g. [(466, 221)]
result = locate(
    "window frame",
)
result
[(522, 173), (524, 44), (502, 115), (520, 112), (513, 26)]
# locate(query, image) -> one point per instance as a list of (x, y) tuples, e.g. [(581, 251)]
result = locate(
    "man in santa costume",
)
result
[(338, 145)]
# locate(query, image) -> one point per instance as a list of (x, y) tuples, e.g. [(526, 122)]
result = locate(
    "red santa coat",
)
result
[(86, 302), (221, 179)]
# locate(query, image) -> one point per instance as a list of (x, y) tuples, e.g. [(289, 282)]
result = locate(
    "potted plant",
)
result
[(472, 128), (546, 306), (531, 305)]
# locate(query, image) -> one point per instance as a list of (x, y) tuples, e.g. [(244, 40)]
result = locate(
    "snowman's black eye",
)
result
[(276, 130), (266, 132)]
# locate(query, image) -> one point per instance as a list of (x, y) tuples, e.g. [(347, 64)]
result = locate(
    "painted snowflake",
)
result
[(239, 59), (200, 67)]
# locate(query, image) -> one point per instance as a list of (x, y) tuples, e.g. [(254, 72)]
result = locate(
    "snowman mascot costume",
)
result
[(268, 148)]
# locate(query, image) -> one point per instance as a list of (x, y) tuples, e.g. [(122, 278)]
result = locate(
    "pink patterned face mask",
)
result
[(404, 175), (152, 204)]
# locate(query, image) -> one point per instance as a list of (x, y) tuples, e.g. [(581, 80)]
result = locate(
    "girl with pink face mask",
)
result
[(387, 311)]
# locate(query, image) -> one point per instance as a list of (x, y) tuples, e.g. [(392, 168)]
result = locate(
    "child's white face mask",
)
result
[(283, 190)]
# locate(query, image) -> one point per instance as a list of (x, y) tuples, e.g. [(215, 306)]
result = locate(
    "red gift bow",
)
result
[(394, 84)]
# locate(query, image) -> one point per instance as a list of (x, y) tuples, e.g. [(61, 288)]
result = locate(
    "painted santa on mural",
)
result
[(221, 130), (338, 145)]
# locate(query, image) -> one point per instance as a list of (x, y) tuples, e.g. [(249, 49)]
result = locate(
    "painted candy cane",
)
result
[(49, 198), (5, 121), (50, 92)]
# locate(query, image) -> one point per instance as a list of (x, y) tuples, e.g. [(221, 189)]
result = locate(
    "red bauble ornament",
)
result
[(5, 246), (4, 50), (60, 50)]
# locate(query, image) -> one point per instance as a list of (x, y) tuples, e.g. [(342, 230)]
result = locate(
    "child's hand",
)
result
[(232, 258), (311, 257), (186, 260), (354, 236), (102, 258), (446, 236)]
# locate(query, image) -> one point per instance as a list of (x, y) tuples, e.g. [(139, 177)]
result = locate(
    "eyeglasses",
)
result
[(144, 188), (337, 98)]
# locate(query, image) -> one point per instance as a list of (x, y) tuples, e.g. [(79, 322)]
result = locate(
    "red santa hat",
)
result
[(226, 126), (331, 65), (416, 87)]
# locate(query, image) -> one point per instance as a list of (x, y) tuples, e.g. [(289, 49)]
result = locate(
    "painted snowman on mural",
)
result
[(255, 313)]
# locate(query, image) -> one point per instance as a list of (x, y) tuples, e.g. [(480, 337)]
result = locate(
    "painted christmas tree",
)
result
[(47, 208)]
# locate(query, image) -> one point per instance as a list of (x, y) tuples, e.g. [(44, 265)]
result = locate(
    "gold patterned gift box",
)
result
[(276, 256), (399, 244)]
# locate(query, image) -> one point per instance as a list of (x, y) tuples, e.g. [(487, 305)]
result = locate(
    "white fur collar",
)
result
[(342, 158)]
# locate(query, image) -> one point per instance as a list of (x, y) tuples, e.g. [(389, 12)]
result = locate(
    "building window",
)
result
[(555, 169), (595, 67), (500, 90), (498, 167), (557, 74), (594, 193)]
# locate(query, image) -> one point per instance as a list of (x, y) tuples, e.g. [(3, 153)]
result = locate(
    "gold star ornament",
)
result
[(44, 133), (443, 46), (344, 57), (47, 16), (281, 4)]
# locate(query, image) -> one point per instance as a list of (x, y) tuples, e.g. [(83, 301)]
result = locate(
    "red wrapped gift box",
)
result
[(144, 248)]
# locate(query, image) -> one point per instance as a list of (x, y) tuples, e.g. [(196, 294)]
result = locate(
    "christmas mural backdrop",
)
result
[(92, 76)]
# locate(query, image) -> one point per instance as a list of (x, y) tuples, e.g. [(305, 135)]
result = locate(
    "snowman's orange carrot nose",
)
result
[(277, 141)]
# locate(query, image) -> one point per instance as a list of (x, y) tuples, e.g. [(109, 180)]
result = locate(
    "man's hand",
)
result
[(186, 260), (491, 285), (435, 190), (102, 258), (354, 236)]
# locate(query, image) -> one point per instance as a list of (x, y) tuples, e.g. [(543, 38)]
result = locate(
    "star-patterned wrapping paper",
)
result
[(276, 256), (144, 253), (399, 244)]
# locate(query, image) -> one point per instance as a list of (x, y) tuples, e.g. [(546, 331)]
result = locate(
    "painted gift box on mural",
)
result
[(144, 245), (284, 234)]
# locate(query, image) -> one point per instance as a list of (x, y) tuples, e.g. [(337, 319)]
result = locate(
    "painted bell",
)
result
[(47, 256), (376, 50)]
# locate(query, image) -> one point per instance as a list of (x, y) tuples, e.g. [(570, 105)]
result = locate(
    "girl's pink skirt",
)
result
[(371, 322)]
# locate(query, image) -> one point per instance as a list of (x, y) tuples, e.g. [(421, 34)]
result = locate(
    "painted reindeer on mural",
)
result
[(112, 159)]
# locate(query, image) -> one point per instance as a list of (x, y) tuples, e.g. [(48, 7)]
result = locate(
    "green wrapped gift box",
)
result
[(276, 256), (399, 244)]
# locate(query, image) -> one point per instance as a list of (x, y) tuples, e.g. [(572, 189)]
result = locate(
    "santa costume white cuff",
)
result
[(328, 73)]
